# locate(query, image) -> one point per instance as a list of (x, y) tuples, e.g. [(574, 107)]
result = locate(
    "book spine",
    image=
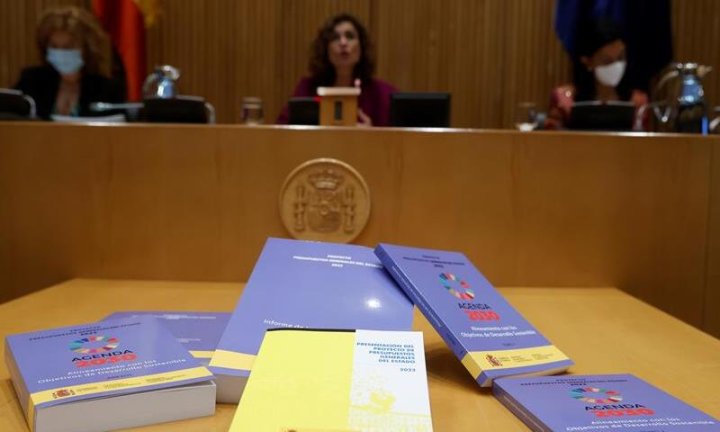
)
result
[(520, 412), (421, 303), (16, 378)]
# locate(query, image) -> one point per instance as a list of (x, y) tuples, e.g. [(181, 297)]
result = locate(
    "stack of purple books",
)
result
[(107, 375), (304, 284), (198, 332), (500, 348)]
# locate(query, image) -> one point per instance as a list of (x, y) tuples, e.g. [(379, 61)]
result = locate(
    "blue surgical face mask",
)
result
[(65, 61)]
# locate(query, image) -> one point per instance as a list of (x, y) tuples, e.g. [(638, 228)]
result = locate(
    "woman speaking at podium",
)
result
[(342, 57), (76, 56)]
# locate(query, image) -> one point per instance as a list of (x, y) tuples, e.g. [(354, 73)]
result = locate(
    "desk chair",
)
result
[(14, 105), (180, 109)]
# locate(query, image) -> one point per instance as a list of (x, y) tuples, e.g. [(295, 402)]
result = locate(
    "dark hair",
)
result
[(322, 72), (591, 36)]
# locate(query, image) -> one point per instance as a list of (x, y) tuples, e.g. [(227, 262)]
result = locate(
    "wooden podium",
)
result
[(338, 106)]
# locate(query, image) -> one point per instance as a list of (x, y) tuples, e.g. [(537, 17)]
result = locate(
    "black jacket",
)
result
[(42, 83)]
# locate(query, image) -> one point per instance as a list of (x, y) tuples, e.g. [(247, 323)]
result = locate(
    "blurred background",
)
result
[(490, 54)]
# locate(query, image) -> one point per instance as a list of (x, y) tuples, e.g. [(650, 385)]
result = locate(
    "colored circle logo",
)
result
[(456, 286), (80, 346), (594, 395)]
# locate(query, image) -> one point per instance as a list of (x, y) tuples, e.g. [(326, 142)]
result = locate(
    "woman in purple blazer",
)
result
[(342, 57)]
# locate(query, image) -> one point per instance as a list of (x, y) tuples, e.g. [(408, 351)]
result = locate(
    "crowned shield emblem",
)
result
[(325, 199)]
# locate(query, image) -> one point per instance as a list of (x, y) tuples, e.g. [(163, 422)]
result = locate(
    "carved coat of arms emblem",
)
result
[(325, 199)]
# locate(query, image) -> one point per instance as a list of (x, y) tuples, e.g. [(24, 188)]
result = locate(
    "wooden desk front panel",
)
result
[(197, 202)]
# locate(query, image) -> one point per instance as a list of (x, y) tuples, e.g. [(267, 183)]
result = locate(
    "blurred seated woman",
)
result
[(598, 71), (342, 57), (76, 55)]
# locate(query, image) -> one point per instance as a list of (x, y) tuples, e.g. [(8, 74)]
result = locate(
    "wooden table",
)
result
[(602, 329)]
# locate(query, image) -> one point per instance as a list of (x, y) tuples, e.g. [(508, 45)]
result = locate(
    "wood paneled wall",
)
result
[(197, 203), (491, 54), (696, 27)]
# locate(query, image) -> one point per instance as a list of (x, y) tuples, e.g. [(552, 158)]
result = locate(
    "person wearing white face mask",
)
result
[(599, 68), (76, 66)]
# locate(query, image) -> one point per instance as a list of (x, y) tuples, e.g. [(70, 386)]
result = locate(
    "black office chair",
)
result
[(14, 105), (180, 109)]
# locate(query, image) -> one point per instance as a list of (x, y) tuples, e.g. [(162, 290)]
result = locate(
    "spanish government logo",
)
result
[(325, 199), (94, 344), (494, 361), (62, 393), (594, 395), (456, 286)]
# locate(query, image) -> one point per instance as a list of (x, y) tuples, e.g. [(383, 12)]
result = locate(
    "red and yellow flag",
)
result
[(126, 21)]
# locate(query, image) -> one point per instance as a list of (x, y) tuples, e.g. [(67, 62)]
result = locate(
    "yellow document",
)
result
[(336, 381)]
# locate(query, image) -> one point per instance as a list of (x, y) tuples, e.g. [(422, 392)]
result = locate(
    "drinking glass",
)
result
[(252, 111), (526, 117)]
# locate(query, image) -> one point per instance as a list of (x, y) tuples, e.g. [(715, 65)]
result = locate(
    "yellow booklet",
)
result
[(336, 381)]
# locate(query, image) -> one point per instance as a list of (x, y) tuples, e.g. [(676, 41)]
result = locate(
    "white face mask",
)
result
[(610, 75), (65, 61)]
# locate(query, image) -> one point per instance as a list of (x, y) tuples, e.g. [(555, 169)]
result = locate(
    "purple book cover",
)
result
[(597, 403), (199, 332), (304, 284), (484, 331), (97, 360)]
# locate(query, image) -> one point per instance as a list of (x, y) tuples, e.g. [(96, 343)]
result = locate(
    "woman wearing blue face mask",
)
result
[(599, 67), (76, 65)]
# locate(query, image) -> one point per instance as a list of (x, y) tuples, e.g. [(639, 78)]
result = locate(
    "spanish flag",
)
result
[(126, 21)]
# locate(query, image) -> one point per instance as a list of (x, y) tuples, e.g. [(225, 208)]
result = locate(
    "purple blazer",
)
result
[(374, 100)]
